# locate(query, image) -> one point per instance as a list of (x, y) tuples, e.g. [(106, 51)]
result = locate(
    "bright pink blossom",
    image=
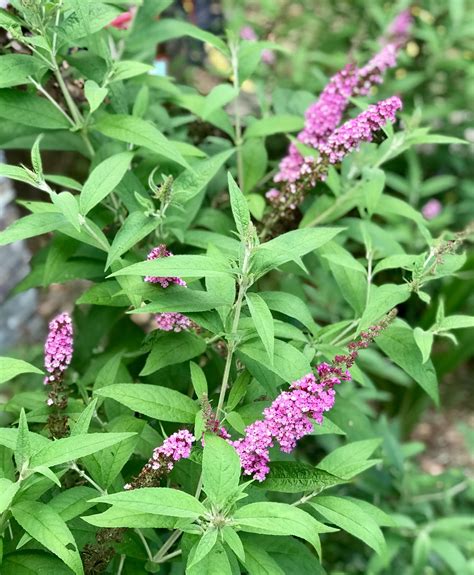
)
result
[(432, 209), (58, 347), (123, 21), (173, 321)]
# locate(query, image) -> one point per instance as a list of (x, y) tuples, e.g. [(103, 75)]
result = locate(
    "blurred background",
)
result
[(427, 478)]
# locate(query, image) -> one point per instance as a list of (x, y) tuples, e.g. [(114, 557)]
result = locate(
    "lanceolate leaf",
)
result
[(139, 132), (294, 477), (157, 501), (158, 402), (103, 180), (181, 266), (72, 448), (46, 526), (263, 321), (240, 209), (347, 515), (220, 469), (32, 225), (172, 348), (10, 368), (31, 110)]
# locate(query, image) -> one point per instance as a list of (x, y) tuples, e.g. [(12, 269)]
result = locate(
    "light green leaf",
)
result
[(117, 517), (347, 515), (274, 125), (129, 69), (263, 320), (8, 490), (198, 378), (454, 322), (81, 426), (424, 341), (215, 563), (181, 266), (103, 179), (373, 185), (382, 299), (220, 469), (152, 400), (291, 306), (15, 69), (240, 209), (139, 132), (203, 547), (398, 343), (178, 298), (217, 98), (67, 203), (259, 562), (156, 501), (72, 448), (290, 247), (190, 182), (234, 542), (31, 110), (349, 460), (280, 519), (23, 448), (172, 348), (46, 526), (95, 94), (30, 226), (10, 368), (135, 227)]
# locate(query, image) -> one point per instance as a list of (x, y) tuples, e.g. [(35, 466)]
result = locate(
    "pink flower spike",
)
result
[(58, 347), (173, 321), (432, 209)]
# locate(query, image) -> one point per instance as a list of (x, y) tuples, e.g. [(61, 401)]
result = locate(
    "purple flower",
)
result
[(359, 129), (173, 321), (162, 252), (268, 56), (177, 446), (399, 29), (431, 209), (248, 33), (58, 347)]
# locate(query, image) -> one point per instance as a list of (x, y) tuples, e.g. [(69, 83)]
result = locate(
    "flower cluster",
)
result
[(173, 321), (58, 347), (289, 417), (162, 252), (359, 129), (177, 446), (323, 117)]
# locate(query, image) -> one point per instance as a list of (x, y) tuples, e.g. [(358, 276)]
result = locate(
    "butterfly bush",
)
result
[(289, 417), (322, 117)]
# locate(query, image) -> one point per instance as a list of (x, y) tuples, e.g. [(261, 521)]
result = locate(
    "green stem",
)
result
[(237, 117), (67, 96)]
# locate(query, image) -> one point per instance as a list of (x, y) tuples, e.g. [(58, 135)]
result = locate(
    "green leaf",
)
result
[(81, 426), (167, 29), (290, 247), (349, 460), (291, 306), (263, 320), (192, 181), (398, 343), (436, 139), (139, 132), (152, 400), (240, 209), (172, 348), (203, 547), (233, 541), (259, 562), (274, 125), (33, 563), (23, 446), (179, 298), (217, 98), (67, 203), (288, 362), (136, 226), (129, 69), (10, 368), (280, 519), (294, 477), (103, 179), (181, 266), (95, 94), (424, 341), (156, 501), (349, 516), (8, 490), (454, 322), (46, 526), (16, 173), (215, 563), (220, 469), (382, 299), (198, 378), (373, 185), (117, 517), (72, 448), (30, 226), (15, 69), (31, 110)]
